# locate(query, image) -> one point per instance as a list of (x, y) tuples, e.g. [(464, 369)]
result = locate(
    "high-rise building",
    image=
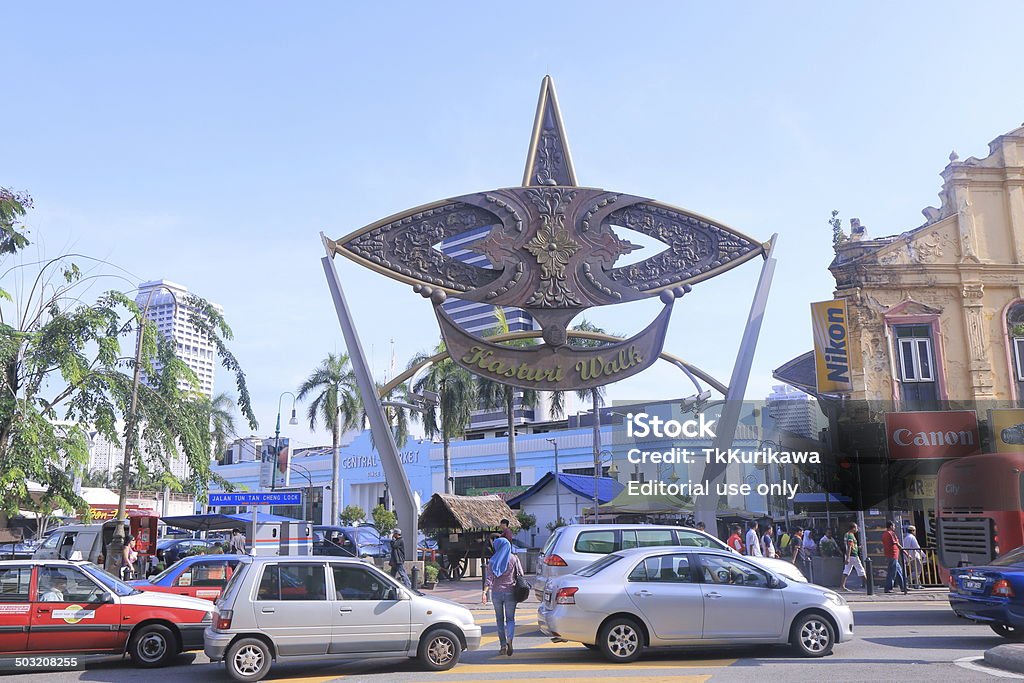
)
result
[(166, 305), (104, 455), (169, 310), (480, 319), (793, 411)]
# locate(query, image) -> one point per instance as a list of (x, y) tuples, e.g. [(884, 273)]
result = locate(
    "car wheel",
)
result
[(248, 660), (620, 640), (1008, 632), (813, 635), (153, 645), (440, 650)]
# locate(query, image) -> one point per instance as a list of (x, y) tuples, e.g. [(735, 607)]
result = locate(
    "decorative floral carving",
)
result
[(552, 246)]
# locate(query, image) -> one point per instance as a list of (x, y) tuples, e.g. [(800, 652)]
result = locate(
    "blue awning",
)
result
[(820, 498), (579, 484)]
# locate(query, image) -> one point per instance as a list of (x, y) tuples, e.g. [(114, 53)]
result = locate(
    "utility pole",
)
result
[(558, 485)]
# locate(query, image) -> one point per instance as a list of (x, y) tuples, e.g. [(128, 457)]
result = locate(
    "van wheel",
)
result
[(153, 645), (247, 660), (620, 640), (440, 650), (812, 635), (1008, 632)]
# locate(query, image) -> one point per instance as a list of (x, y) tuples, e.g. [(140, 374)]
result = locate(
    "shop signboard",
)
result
[(932, 434)]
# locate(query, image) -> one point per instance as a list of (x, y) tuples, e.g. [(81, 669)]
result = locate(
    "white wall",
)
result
[(542, 506)]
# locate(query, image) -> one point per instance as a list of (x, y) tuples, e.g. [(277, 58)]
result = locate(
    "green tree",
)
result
[(352, 514), (494, 395), (385, 520), (398, 416), (337, 406), (62, 371), (456, 401), (526, 520), (222, 423)]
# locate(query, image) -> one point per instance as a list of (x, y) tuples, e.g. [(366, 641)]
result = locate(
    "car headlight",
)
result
[(835, 598)]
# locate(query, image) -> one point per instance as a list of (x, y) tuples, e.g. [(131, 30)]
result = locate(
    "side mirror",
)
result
[(776, 583)]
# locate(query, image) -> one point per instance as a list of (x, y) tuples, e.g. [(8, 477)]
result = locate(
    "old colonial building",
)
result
[(934, 337)]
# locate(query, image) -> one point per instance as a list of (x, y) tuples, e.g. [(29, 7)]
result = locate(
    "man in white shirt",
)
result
[(55, 591), (915, 557), (752, 541), (768, 542)]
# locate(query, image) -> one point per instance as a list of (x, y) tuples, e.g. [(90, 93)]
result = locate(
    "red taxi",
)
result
[(198, 576), (60, 606)]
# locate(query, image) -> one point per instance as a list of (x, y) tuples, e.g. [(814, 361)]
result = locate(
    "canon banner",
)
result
[(938, 434), (831, 346)]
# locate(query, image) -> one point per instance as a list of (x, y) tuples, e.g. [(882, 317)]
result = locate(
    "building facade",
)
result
[(934, 326)]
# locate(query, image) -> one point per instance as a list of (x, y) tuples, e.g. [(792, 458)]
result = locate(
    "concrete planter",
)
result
[(826, 571)]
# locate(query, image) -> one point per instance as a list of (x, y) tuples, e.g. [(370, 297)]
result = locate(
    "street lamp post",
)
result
[(277, 433), (599, 460), (558, 485)]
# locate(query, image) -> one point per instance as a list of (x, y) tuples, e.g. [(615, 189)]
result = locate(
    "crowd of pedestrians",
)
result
[(904, 556)]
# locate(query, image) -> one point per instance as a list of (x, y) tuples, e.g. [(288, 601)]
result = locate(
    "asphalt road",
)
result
[(910, 641)]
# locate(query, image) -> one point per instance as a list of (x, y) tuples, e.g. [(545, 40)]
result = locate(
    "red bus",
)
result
[(978, 501)]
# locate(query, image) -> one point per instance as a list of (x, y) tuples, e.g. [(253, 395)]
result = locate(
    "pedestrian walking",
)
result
[(808, 549), (796, 546), (753, 541), (851, 556), (784, 540), (131, 556), (893, 549), (397, 558), (735, 542), (827, 546), (499, 582), (768, 543), (236, 545), (506, 530), (915, 557)]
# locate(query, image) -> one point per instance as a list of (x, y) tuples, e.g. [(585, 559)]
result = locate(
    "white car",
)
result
[(651, 597), (575, 546)]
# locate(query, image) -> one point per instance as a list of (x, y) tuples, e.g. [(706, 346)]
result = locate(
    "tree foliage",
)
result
[(63, 371), (385, 520), (353, 514)]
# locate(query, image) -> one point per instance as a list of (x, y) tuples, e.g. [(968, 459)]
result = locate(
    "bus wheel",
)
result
[(1008, 632)]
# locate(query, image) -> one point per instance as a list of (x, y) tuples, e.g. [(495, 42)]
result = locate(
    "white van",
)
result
[(88, 539)]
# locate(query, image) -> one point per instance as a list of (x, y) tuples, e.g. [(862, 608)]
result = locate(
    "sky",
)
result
[(210, 144)]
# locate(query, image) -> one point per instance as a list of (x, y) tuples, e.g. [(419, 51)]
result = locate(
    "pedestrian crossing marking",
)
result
[(511, 666), (696, 678)]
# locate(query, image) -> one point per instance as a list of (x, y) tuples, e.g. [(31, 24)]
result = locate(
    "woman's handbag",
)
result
[(521, 591)]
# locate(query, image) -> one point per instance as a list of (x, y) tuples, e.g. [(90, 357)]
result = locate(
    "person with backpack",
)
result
[(503, 570)]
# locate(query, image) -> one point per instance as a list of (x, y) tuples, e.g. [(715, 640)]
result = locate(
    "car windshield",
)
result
[(117, 585), (366, 536), (598, 566), (1013, 558)]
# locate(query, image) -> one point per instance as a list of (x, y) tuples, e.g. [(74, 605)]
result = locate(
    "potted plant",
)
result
[(430, 573)]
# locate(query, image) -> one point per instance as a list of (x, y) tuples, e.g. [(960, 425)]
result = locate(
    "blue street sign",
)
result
[(265, 498)]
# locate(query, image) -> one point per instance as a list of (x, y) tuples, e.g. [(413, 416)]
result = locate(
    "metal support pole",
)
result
[(558, 486), (383, 438), (725, 431)]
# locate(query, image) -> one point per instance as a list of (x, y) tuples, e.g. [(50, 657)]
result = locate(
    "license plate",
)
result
[(974, 585), (547, 596)]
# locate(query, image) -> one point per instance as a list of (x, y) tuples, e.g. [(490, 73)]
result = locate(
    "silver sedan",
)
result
[(655, 597)]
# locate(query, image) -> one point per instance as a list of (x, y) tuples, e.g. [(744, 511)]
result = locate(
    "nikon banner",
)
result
[(831, 346), (1007, 430)]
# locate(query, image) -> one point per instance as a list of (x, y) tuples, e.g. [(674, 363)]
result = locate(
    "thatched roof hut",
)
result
[(445, 511)]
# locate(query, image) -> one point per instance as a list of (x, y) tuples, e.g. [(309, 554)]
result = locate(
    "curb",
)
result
[(1007, 657)]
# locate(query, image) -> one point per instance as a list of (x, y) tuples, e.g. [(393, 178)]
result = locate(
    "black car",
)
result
[(349, 541), (173, 549)]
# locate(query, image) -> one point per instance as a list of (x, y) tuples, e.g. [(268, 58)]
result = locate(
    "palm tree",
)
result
[(456, 401), (495, 395), (222, 423), (397, 416), (337, 405)]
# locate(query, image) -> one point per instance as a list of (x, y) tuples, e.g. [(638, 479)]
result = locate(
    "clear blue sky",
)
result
[(210, 143)]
